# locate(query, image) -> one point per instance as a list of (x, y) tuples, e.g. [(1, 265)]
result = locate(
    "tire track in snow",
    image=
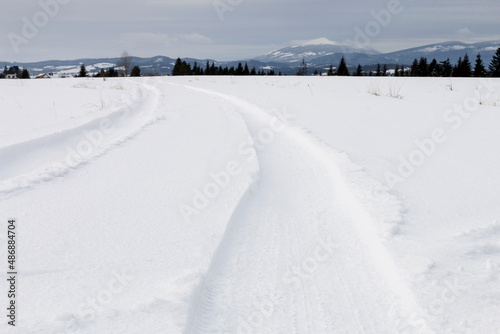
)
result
[(42, 159), (371, 296)]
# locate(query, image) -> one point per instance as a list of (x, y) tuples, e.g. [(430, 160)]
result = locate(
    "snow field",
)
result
[(254, 205)]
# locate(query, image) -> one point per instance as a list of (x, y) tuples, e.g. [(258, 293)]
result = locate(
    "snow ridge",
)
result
[(42, 159), (258, 245)]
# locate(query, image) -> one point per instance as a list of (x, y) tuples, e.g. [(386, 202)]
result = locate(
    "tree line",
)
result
[(125, 62), (109, 73), (181, 67), (419, 68), (424, 68)]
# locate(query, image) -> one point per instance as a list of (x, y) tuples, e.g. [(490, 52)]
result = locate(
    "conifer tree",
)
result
[(196, 69), (25, 74), (495, 65), (136, 71), (359, 71), (457, 68), (207, 68), (379, 71), (402, 72), (466, 70), (414, 68), (83, 72), (177, 67), (112, 72), (423, 67), (213, 69), (447, 68), (433, 67), (330, 71), (239, 69), (342, 69), (396, 71), (479, 69), (303, 68)]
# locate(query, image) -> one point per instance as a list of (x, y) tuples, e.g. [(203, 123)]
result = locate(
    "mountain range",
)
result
[(318, 54)]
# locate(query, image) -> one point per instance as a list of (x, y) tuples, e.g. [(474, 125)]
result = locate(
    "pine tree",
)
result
[(177, 67), (246, 71), (396, 71), (433, 67), (83, 72), (466, 70), (207, 68), (196, 69), (25, 74), (423, 67), (136, 71), (181, 67), (384, 71), (379, 71), (359, 71), (303, 68), (403, 72), (330, 71), (239, 69), (457, 68), (112, 72), (414, 68), (479, 69), (447, 69), (495, 65), (342, 70)]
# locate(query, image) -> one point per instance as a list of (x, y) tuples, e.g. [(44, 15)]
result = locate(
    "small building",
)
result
[(11, 73), (43, 76)]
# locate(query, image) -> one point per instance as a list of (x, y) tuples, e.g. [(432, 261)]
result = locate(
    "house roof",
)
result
[(12, 70)]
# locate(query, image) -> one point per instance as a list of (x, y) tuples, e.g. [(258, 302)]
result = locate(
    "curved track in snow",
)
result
[(300, 253), (41, 159)]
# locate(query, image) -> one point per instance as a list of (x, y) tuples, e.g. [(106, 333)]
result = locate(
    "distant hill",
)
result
[(311, 50), (318, 53), (323, 52)]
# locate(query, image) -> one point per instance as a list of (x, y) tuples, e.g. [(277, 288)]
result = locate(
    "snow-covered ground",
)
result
[(252, 204)]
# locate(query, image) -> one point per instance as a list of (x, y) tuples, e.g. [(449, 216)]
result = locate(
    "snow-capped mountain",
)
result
[(442, 51), (308, 50), (321, 52)]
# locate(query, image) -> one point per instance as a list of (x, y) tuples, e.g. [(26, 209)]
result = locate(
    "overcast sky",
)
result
[(230, 29)]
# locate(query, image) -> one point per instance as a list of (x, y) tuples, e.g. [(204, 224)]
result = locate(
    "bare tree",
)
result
[(125, 62)]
